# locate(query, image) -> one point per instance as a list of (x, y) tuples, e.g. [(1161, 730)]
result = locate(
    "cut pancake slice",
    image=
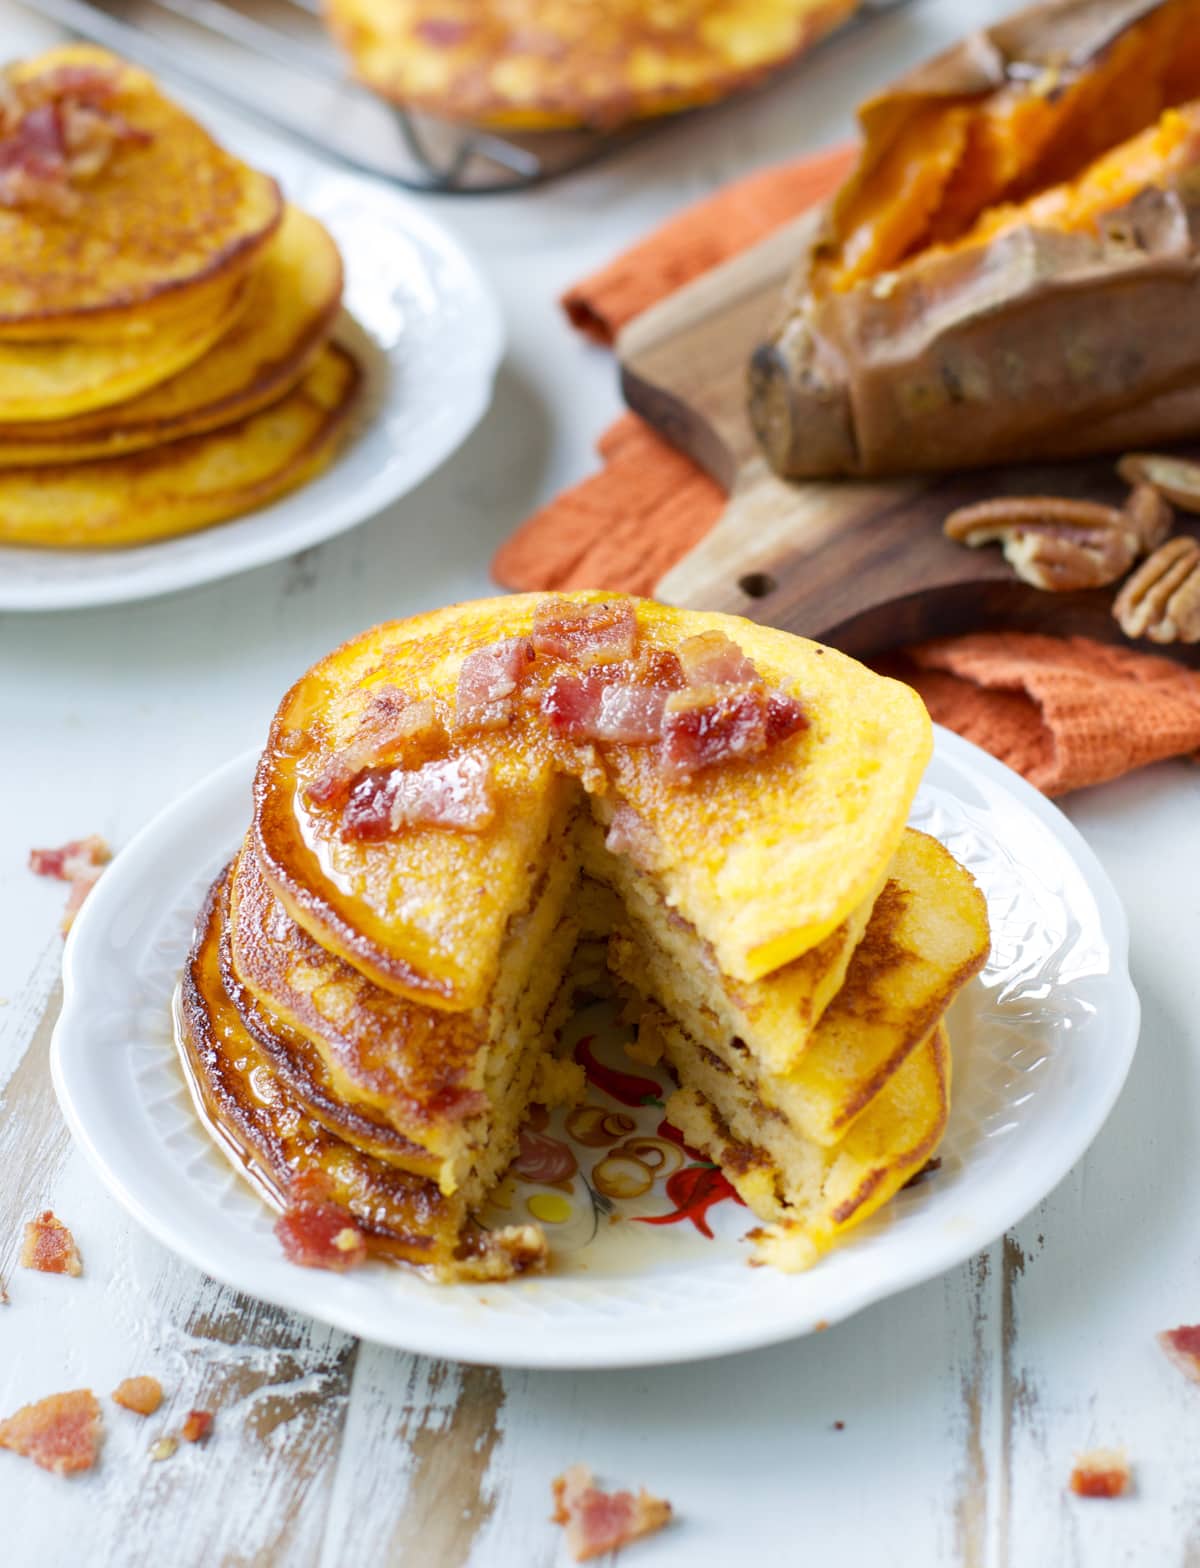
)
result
[(167, 216), (926, 937), (814, 1194), (291, 298), (189, 484), (766, 857), (294, 1162), (443, 1093), (57, 378), (776, 1015)]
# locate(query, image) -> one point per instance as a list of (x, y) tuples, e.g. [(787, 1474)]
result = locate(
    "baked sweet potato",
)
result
[(1012, 270)]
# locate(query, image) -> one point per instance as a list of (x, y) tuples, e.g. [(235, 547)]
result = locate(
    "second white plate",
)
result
[(430, 336), (1042, 1043)]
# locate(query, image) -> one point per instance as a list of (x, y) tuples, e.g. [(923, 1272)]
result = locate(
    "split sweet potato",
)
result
[(1012, 270)]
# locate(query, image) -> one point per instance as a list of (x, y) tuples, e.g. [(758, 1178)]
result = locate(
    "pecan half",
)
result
[(1175, 478), (1150, 516), (1161, 600), (1056, 544)]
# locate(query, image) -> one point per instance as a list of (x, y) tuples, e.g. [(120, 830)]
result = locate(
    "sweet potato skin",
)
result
[(1037, 343)]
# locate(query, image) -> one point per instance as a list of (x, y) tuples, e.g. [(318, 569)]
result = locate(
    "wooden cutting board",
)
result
[(861, 565)]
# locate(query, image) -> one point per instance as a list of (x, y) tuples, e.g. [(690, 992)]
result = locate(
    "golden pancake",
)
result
[(53, 379), (437, 1093), (765, 858), (191, 483), (288, 1157), (540, 64), (926, 937), (165, 222), (828, 1191), (291, 298)]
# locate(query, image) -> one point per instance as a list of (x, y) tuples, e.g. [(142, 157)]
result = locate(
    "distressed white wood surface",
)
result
[(962, 1402)]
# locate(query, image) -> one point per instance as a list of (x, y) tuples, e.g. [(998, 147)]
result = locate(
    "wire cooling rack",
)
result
[(273, 59)]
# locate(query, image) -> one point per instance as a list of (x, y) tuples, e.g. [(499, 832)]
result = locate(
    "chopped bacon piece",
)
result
[(142, 1395), (58, 130), (598, 1522), (487, 681), (197, 1424), (706, 725), (389, 720), (1102, 1473), (49, 1247), (78, 862), (710, 659), (785, 716), (586, 707), (61, 1433), (318, 1236), (1182, 1346), (585, 634), (453, 793)]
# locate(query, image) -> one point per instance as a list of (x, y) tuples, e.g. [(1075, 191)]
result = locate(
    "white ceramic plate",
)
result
[(430, 336), (1042, 1044)]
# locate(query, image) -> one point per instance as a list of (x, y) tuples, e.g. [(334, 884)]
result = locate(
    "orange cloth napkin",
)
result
[(1065, 713)]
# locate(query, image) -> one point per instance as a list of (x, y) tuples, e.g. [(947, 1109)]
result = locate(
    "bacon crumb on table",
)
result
[(597, 1522), (1182, 1346), (49, 1247), (1104, 1472), (79, 862), (142, 1395), (61, 1433), (197, 1424)]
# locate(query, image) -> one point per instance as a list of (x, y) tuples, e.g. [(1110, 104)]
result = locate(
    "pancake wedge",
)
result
[(925, 938), (765, 859), (54, 379), (189, 484), (294, 1162), (542, 64), (291, 298), (821, 1193), (148, 220)]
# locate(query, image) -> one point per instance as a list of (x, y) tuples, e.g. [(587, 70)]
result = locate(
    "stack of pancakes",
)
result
[(165, 317), (372, 1001)]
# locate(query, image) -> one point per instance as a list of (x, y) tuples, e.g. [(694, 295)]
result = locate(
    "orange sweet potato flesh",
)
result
[(932, 166), (1012, 271)]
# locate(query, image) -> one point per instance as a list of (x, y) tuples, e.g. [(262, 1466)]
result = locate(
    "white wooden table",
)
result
[(958, 1405)]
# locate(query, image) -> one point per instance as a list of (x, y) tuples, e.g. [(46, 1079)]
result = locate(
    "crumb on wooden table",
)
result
[(1104, 1472), (1182, 1347), (142, 1395), (48, 1247), (596, 1521), (61, 1433)]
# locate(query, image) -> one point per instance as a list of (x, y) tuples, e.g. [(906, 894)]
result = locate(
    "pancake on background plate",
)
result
[(188, 484), (165, 319), (452, 811), (547, 64), (290, 302)]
